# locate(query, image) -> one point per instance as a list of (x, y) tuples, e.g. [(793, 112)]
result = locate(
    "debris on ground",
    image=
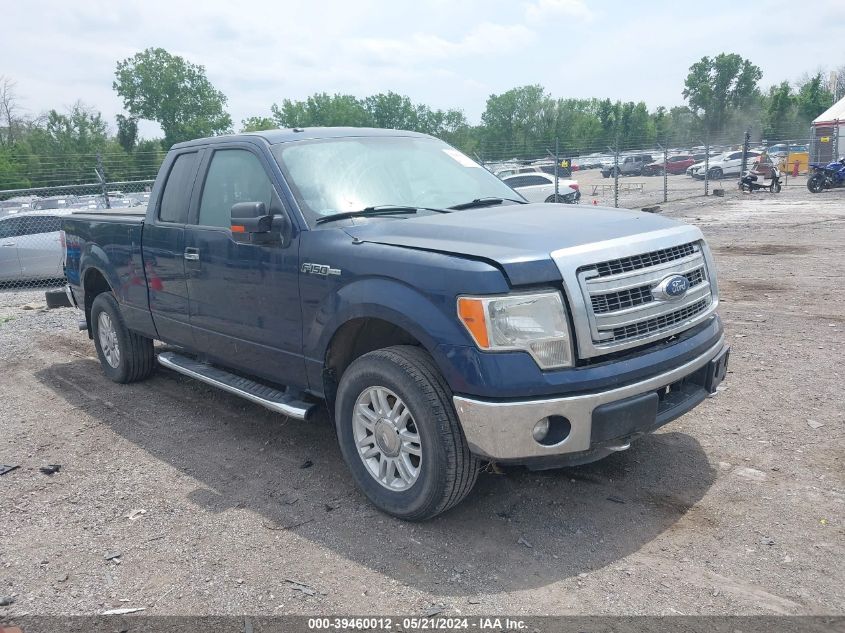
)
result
[(432, 611), (136, 514), (7, 469), (522, 541), (813, 424), (766, 540), (50, 469), (615, 499), (307, 464), (295, 585), (113, 555), (123, 611), (5, 601), (751, 473)]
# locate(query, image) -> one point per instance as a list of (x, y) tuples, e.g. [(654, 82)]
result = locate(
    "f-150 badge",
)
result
[(320, 269)]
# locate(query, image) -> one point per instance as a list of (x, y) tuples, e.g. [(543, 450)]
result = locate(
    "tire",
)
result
[(776, 187), (445, 470), (560, 198), (815, 184), (715, 173), (134, 359)]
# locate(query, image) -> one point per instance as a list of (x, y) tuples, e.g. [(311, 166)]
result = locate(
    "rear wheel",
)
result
[(400, 436), (124, 355), (815, 183)]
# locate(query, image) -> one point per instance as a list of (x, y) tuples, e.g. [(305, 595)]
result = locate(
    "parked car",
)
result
[(53, 202), (674, 165), (630, 166), (443, 321), (538, 187), (31, 246), (727, 164)]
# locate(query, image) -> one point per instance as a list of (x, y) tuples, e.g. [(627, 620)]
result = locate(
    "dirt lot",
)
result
[(207, 500)]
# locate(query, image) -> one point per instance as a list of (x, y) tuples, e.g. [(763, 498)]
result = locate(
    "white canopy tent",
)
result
[(829, 134)]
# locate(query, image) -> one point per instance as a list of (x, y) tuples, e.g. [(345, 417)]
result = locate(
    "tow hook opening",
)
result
[(551, 430)]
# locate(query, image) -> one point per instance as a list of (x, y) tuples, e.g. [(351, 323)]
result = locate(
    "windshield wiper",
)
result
[(487, 201), (378, 210)]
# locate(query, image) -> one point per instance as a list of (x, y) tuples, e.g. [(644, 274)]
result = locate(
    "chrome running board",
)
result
[(268, 397)]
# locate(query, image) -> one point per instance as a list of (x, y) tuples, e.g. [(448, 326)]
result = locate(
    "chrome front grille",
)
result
[(646, 260), (659, 323), (623, 306)]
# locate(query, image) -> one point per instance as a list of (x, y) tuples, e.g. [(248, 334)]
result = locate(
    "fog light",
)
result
[(541, 430), (551, 430)]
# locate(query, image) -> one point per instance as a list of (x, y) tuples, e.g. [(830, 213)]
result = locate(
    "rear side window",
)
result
[(35, 224), (515, 181), (177, 189), (530, 181), (9, 228)]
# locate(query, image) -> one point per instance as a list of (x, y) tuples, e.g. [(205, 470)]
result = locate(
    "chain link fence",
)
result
[(31, 240), (637, 176), (630, 174)]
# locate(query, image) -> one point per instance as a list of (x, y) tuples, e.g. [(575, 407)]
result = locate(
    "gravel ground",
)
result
[(184, 500)]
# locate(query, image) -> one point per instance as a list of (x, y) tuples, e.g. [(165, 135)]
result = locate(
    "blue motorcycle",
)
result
[(826, 176)]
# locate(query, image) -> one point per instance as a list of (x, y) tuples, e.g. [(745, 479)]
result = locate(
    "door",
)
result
[(10, 267), (163, 252), (244, 297), (40, 247)]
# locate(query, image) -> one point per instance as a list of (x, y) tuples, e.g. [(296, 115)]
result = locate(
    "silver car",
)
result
[(31, 246)]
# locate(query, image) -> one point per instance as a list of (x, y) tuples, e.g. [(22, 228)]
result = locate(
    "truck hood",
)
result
[(517, 238)]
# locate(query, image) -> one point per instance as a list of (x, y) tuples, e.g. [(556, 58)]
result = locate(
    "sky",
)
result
[(446, 53)]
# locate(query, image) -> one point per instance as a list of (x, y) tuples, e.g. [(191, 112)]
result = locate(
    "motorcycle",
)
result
[(828, 176), (765, 176)]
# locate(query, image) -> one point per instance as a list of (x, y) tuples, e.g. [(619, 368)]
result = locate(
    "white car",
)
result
[(539, 187), (727, 164), (31, 246)]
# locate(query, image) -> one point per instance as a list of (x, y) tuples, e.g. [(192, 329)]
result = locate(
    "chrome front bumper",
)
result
[(503, 430)]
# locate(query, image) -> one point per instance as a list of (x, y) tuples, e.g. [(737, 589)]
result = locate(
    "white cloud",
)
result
[(484, 39), (543, 10)]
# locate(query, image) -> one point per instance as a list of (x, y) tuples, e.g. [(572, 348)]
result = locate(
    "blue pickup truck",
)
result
[(442, 320)]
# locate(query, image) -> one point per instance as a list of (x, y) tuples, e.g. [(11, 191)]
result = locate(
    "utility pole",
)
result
[(101, 176)]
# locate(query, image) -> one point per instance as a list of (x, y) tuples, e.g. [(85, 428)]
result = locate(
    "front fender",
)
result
[(432, 321)]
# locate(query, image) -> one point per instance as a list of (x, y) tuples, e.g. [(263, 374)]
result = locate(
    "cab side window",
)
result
[(177, 190), (234, 175)]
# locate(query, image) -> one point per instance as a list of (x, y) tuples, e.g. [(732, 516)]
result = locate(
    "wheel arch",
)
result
[(94, 283)]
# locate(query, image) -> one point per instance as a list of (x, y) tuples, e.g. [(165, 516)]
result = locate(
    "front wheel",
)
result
[(124, 355), (400, 436), (815, 183), (715, 173)]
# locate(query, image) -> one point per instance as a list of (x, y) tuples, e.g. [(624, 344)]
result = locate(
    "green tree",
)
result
[(165, 88), (780, 111), (813, 98), (717, 87), (322, 109), (257, 123), (127, 131)]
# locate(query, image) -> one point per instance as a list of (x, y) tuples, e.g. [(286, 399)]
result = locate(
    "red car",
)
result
[(674, 165)]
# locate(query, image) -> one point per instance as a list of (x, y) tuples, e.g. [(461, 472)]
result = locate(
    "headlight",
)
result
[(535, 323)]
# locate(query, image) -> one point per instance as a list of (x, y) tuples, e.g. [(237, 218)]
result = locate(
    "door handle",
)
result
[(192, 254), (8, 244)]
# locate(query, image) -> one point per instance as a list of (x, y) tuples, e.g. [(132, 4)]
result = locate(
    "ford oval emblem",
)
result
[(673, 287)]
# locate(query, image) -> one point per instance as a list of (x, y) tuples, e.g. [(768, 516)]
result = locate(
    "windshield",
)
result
[(339, 175)]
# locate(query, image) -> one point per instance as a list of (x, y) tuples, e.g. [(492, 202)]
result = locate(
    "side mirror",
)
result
[(251, 217), (253, 223)]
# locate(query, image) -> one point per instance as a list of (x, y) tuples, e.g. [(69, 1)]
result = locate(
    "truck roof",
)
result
[(286, 135)]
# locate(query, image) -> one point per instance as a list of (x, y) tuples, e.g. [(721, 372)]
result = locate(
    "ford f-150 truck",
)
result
[(444, 321)]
